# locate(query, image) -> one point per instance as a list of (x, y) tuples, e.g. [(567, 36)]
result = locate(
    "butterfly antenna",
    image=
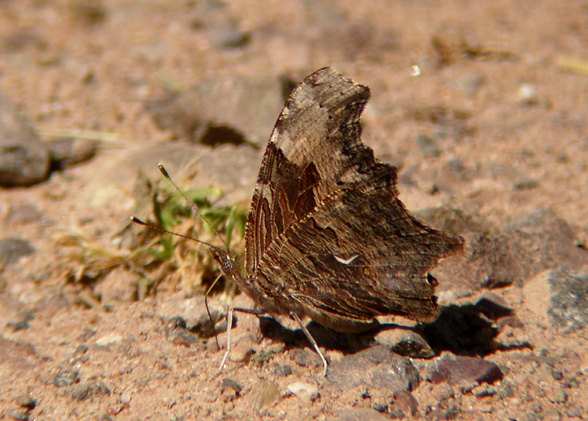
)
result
[(192, 204), (197, 212), (158, 228)]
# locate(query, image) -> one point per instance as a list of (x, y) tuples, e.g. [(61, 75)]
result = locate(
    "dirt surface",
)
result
[(476, 104)]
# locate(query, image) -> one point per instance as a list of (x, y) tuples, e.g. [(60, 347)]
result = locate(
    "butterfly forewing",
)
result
[(303, 162)]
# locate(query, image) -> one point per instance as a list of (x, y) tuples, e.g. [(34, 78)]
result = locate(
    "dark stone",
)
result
[(221, 27), (406, 402), (453, 220), (92, 387), (467, 371), (569, 299), (12, 249), (66, 152), (375, 367), (177, 333), (405, 342), (66, 378), (304, 358), (24, 159), (282, 370), (228, 383), (492, 306), (23, 323)]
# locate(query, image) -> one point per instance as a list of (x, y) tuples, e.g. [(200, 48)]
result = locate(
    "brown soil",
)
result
[(488, 82)]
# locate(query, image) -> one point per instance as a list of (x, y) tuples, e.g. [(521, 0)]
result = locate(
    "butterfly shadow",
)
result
[(468, 330), (347, 343)]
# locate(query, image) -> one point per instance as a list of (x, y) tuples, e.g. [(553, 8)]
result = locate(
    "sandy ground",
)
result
[(475, 102)]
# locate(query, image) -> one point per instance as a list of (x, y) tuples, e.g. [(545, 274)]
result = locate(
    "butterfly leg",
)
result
[(256, 312), (312, 341)]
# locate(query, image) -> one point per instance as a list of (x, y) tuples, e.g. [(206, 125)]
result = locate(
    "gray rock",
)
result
[(375, 367), (265, 394), (221, 110), (560, 297), (228, 383), (89, 389), (533, 242), (26, 401), (465, 371), (406, 403), (66, 152), (12, 249), (20, 414), (454, 220), (405, 342), (66, 378), (176, 332), (24, 159)]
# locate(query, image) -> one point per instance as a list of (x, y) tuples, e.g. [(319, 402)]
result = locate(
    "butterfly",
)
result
[(327, 238)]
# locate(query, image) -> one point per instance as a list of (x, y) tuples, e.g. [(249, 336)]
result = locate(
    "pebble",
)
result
[(361, 414), (66, 152), (281, 370), (26, 401), (306, 392), (527, 94), (242, 110), (242, 350), (555, 393), (21, 414), (405, 342), (375, 367), (465, 371), (89, 389), (13, 248), (428, 146), (265, 394), (406, 403), (24, 159), (23, 214), (111, 338), (66, 378)]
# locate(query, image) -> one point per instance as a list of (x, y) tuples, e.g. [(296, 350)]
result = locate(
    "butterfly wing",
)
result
[(302, 161), (327, 236)]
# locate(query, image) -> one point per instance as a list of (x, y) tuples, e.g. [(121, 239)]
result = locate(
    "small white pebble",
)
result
[(527, 94), (304, 391), (109, 339)]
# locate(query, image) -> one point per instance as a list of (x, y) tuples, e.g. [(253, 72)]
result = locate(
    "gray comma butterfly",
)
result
[(327, 237)]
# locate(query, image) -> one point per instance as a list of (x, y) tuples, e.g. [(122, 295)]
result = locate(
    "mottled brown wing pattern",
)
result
[(327, 236), (302, 162), (342, 270)]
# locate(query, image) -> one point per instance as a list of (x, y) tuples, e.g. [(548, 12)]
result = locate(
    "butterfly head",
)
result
[(226, 263)]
